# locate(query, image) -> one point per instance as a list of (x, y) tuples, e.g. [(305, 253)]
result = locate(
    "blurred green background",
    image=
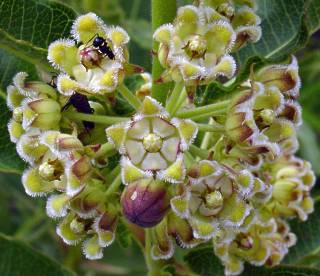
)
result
[(25, 218)]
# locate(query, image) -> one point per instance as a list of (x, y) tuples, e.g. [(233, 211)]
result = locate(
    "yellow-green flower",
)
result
[(194, 49), (152, 144)]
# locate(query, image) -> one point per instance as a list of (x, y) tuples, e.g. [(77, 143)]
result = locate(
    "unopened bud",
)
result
[(145, 202)]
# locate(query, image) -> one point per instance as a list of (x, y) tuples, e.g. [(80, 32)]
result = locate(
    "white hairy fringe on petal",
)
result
[(235, 225), (167, 26), (207, 237), (51, 212), (163, 257), (74, 28), (10, 90), (194, 9), (124, 125), (95, 226), (29, 138), (162, 112), (13, 139), (66, 241), (125, 161), (97, 256), (253, 31), (263, 261), (218, 170), (161, 174), (246, 191), (214, 72), (71, 191), (185, 245), (184, 145), (298, 120), (120, 30), (223, 24), (185, 214), (250, 10), (231, 273), (59, 87), (19, 82), (295, 67), (68, 43), (24, 180)]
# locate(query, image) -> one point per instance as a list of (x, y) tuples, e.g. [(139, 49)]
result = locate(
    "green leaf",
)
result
[(203, 261), (28, 27), (17, 258), (309, 146), (313, 16), (140, 32), (308, 236)]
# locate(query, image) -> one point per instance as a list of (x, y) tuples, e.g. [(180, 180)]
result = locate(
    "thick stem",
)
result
[(99, 119), (211, 108), (163, 11), (129, 96), (174, 98)]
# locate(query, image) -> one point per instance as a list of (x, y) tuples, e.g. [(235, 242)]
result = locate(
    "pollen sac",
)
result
[(98, 66), (145, 202), (241, 15), (194, 49), (152, 144)]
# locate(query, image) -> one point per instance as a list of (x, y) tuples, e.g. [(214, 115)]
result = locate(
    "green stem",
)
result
[(181, 101), (203, 154), (114, 187), (163, 11), (174, 98), (99, 119), (215, 107), (209, 128), (105, 148), (207, 115), (153, 267), (114, 173), (129, 96)]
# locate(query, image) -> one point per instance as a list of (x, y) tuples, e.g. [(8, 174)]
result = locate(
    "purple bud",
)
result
[(145, 202)]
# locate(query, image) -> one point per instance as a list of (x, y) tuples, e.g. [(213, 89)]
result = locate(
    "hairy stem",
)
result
[(163, 11), (114, 187), (129, 96)]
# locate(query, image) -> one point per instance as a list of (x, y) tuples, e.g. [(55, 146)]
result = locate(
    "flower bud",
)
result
[(145, 202), (41, 113)]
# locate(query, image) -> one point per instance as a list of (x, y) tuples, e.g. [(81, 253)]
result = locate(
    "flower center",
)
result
[(196, 47), (152, 142), (267, 116), (51, 170), (214, 199)]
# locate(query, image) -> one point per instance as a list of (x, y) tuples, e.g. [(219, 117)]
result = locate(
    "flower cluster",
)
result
[(224, 174)]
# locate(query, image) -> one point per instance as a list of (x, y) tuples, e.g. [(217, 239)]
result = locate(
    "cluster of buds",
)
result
[(234, 189)]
